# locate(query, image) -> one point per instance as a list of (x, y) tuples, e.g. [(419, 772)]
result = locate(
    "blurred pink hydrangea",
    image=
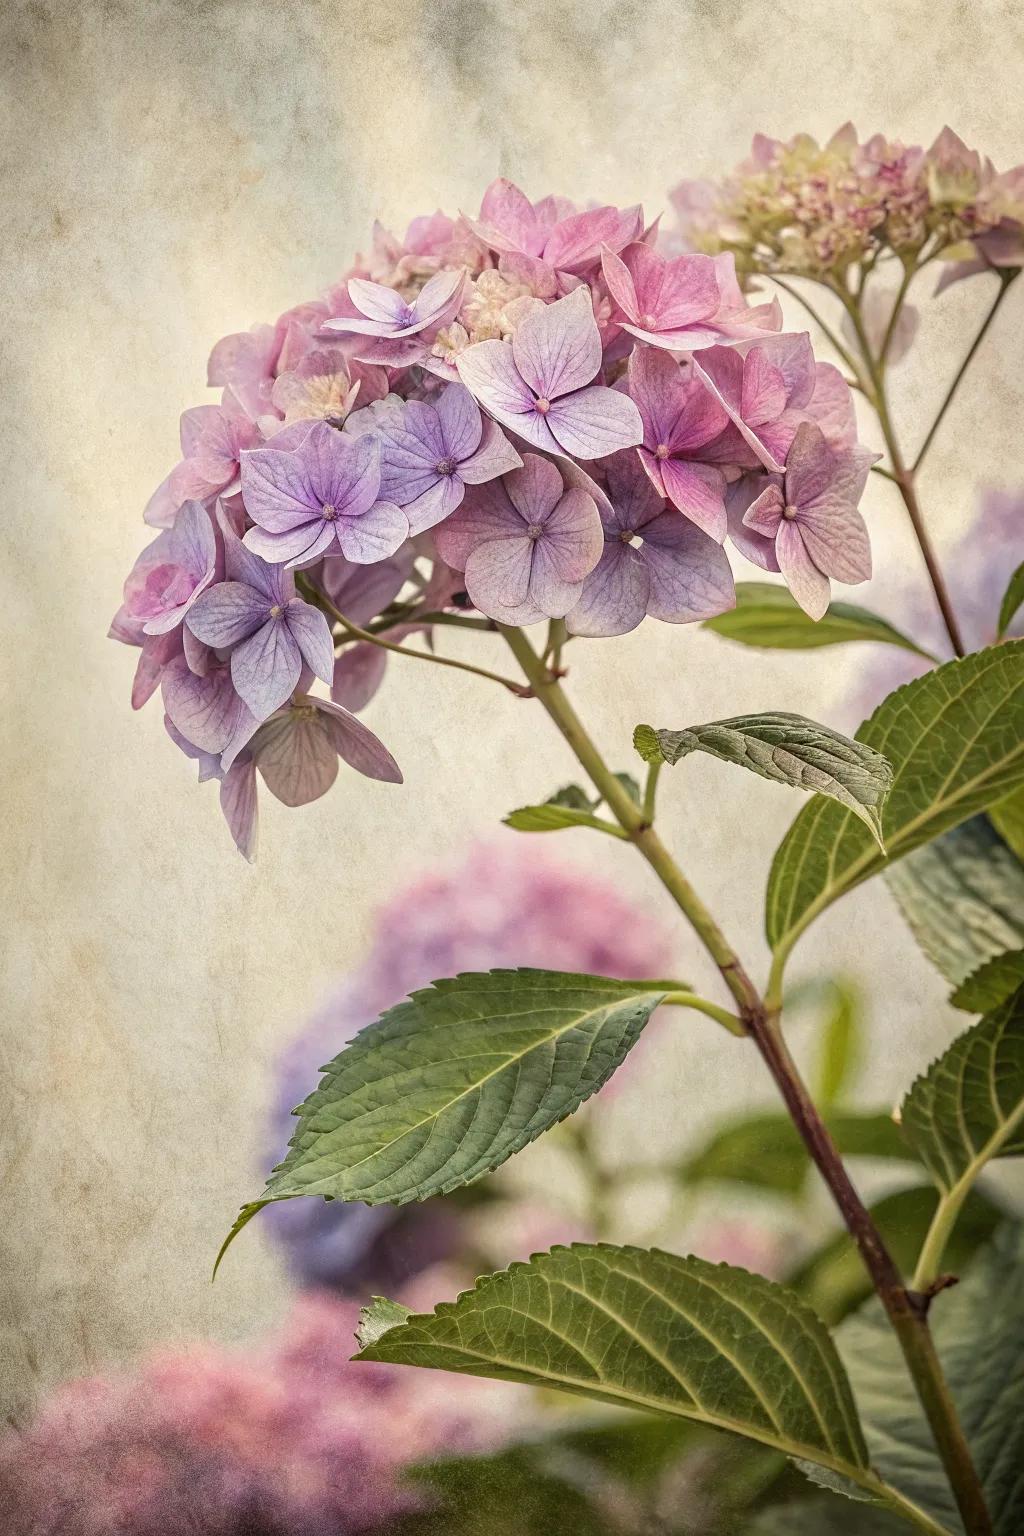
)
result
[(501, 905), (289, 1438)]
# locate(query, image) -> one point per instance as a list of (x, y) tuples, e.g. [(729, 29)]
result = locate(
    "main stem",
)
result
[(907, 1311)]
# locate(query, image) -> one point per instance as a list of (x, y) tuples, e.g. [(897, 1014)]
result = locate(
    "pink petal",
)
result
[(698, 490), (485, 516), (296, 757), (763, 395), (374, 536), (576, 241), (205, 709), (550, 589), (440, 297), (489, 371), (720, 370), (265, 668), (312, 634), (764, 513), (239, 805), (808, 585), (836, 539), (377, 302), (343, 471), (810, 466), (593, 422), (358, 673), (793, 356), (356, 744), (690, 575), (460, 421), (573, 539), (434, 504), (558, 347), (619, 281), (535, 490), (226, 614), (831, 406), (495, 456), (615, 594), (509, 220), (498, 580)]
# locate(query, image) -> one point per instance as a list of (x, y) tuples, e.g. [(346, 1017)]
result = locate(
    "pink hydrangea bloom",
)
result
[(288, 1436), (380, 429)]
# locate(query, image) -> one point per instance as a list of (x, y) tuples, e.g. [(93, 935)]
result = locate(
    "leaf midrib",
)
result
[(578, 1021)]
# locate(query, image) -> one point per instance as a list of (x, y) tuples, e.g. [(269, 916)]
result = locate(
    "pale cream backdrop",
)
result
[(173, 172)]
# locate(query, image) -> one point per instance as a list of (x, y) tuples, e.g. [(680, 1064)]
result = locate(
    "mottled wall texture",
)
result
[(175, 171)]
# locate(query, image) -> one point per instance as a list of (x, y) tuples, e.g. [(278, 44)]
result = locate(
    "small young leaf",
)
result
[(979, 1334), (448, 1085), (787, 749), (1012, 599), (767, 616), (991, 984), (955, 738), (649, 1330), (963, 897), (573, 796), (840, 1048), (969, 1105), (555, 818)]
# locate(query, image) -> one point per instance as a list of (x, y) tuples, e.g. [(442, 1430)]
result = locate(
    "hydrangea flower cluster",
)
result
[(812, 210), (498, 906), (534, 412), (287, 1438)]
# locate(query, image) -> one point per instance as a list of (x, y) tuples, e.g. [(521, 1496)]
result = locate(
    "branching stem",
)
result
[(907, 1311)]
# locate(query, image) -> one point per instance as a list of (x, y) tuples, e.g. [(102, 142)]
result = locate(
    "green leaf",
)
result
[(991, 983), (1008, 819), (963, 897), (969, 1106), (766, 615), (448, 1085), (787, 749), (1012, 599), (824, 1516), (979, 1333), (652, 1331), (555, 818), (840, 1048), (764, 1151), (956, 741), (832, 1279), (572, 795)]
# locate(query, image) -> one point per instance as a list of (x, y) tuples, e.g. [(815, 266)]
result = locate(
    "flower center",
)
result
[(330, 513), (276, 611), (648, 321), (661, 452), (534, 531), (627, 536), (445, 467), (543, 406), (789, 512)]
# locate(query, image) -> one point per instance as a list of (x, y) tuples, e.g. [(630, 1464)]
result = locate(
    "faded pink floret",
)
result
[(678, 303), (552, 231)]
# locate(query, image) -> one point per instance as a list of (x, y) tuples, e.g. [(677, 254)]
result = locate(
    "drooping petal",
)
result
[(808, 585), (312, 634), (690, 575), (265, 668), (204, 709), (557, 348), (378, 533), (356, 744), (591, 423), (494, 456), (295, 755), (698, 490), (239, 804), (227, 613), (358, 673), (615, 594)]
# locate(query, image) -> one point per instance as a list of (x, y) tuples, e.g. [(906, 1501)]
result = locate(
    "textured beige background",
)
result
[(172, 172)]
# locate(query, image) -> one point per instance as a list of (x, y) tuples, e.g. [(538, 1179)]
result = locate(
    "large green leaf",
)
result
[(969, 1106), (652, 1331), (963, 897), (766, 1152), (979, 1333), (787, 749), (446, 1086), (956, 741), (767, 616)]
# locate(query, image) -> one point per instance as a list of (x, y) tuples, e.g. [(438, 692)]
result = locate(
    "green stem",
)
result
[(729, 1021), (906, 1310), (1005, 279), (929, 1263), (904, 477), (651, 789)]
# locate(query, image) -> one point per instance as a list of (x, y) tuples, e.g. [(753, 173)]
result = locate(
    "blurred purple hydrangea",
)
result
[(290, 1438), (501, 905)]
